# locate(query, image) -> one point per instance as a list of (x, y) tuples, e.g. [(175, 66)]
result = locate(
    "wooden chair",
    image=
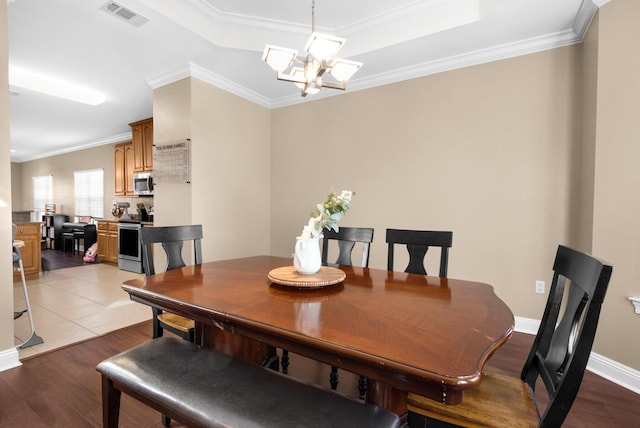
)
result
[(172, 239), (346, 238), (558, 358), (418, 243)]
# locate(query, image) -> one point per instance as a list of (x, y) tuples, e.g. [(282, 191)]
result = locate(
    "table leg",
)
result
[(386, 396)]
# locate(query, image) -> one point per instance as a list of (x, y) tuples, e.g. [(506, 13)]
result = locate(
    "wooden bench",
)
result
[(204, 388)]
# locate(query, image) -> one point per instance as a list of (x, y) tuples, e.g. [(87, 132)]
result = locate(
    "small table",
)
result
[(404, 332)]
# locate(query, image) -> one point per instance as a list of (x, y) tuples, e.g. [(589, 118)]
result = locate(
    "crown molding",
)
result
[(483, 56), (207, 76), (587, 11), (199, 14), (239, 31), (101, 142)]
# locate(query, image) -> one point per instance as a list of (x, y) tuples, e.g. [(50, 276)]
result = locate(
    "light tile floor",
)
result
[(73, 304)]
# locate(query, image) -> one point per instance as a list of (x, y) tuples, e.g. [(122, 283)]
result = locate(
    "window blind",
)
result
[(89, 192), (42, 194)]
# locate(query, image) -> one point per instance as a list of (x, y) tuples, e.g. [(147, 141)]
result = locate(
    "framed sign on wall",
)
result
[(171, 162)]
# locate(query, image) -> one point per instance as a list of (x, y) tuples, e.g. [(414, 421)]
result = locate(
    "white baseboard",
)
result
[(607, 368), (9, 359)]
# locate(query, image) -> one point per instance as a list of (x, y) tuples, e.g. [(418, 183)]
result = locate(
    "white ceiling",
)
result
[(221, 42)]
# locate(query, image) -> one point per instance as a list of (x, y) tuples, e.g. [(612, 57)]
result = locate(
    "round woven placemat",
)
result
[(288, 275)]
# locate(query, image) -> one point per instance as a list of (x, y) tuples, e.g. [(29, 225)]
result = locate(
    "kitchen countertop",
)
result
[(144, 223)]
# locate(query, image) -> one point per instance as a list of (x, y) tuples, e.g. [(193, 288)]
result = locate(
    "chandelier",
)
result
[(318, 68)]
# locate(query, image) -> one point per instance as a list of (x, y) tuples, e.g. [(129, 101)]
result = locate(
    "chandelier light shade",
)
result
[(322, 46), (278, 58), (307, 71)]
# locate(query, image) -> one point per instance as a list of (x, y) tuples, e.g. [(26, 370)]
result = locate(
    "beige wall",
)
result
[(586, 78), (617, 177), (231, 172), (229, 193), (484, 151), (6, 274), (172, 122), (503, 154), (16, 186)]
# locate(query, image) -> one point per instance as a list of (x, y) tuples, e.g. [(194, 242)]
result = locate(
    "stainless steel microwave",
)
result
[(143, 183)]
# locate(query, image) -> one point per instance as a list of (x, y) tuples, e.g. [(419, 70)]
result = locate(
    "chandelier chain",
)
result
[(313, 16)]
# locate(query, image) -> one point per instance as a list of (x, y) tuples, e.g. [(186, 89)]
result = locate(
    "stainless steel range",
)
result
[(130, 247)]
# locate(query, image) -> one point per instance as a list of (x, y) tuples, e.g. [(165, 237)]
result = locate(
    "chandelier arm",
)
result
[(289, 78), (333, 85)]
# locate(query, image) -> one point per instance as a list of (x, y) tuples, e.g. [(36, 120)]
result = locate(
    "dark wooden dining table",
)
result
[(404, 332)]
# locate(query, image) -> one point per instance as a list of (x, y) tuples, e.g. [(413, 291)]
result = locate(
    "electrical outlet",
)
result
[(540, 287)]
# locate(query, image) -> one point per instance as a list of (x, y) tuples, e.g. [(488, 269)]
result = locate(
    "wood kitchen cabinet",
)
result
[(108, 241), (123, 163), (142, 139), (29, 233)]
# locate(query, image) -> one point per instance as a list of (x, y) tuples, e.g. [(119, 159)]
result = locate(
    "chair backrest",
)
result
[(562, 346), (171, 238), (347, 238), (418, 243)]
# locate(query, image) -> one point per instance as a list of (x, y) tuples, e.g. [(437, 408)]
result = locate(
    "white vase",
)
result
[(306, 258)]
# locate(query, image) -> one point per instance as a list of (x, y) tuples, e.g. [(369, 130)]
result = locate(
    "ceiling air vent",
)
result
[(123, 13)]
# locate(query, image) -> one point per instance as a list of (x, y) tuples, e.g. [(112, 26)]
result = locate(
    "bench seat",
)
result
[(204, 388)]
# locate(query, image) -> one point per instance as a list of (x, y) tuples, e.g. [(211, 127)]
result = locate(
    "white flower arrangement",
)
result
[(327, 215)]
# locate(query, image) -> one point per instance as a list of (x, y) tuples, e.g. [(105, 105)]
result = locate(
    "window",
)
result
[(42, 194), (89, 192)]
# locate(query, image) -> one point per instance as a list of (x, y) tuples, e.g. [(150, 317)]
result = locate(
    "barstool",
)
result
[(33, 339), (77, 237), (67, 236)]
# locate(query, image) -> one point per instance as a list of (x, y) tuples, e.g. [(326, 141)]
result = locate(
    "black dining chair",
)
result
[(347, 237), (418, 243), (172, 239), (558, 358)]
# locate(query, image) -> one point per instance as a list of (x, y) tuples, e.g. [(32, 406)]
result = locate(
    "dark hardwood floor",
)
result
[(55, 259), (62, 388)]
